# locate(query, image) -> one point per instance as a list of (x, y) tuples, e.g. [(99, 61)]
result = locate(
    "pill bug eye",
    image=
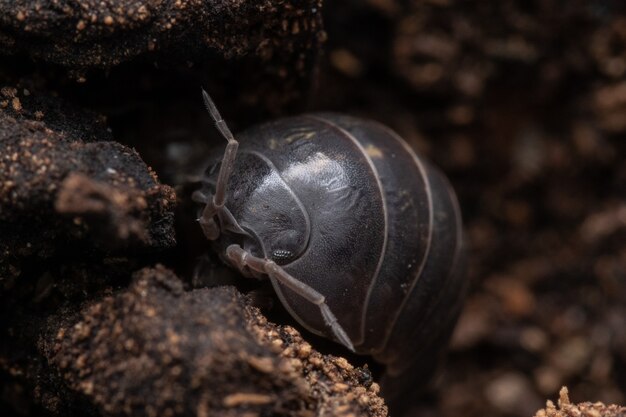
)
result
[(281, 256), (282, 251)]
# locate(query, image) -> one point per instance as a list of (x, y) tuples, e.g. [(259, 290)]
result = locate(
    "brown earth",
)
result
[(522, 104)]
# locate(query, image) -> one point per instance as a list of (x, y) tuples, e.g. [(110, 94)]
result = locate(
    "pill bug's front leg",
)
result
[(207, 218), (242, 258)]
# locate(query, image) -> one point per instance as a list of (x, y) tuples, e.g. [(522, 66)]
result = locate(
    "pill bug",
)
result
[(360, 236)]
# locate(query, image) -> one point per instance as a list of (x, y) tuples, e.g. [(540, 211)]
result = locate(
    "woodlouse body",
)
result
[(346, 208)]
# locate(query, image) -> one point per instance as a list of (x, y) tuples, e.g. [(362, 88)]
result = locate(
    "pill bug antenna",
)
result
[(230, 154), (215, 203)]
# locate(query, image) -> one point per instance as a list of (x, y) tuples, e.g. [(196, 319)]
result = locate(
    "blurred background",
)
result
[(521, 103)]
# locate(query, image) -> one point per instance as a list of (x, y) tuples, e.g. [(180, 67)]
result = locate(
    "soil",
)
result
[(102, 131)]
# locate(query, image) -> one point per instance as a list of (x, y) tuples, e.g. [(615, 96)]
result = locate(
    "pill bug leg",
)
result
[(209, 227), (242, 258)]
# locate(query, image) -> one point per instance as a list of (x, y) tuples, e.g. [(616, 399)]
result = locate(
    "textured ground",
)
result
[(203, 352), (565, 408), (522, 104)]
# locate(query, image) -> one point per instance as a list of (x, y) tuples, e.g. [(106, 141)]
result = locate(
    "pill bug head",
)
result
[(260, 212), (247, 204)]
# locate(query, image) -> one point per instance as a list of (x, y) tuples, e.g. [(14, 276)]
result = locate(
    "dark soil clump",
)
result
[(521, 104)]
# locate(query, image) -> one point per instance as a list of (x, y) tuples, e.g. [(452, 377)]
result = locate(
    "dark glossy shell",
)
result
[(385, 234)]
